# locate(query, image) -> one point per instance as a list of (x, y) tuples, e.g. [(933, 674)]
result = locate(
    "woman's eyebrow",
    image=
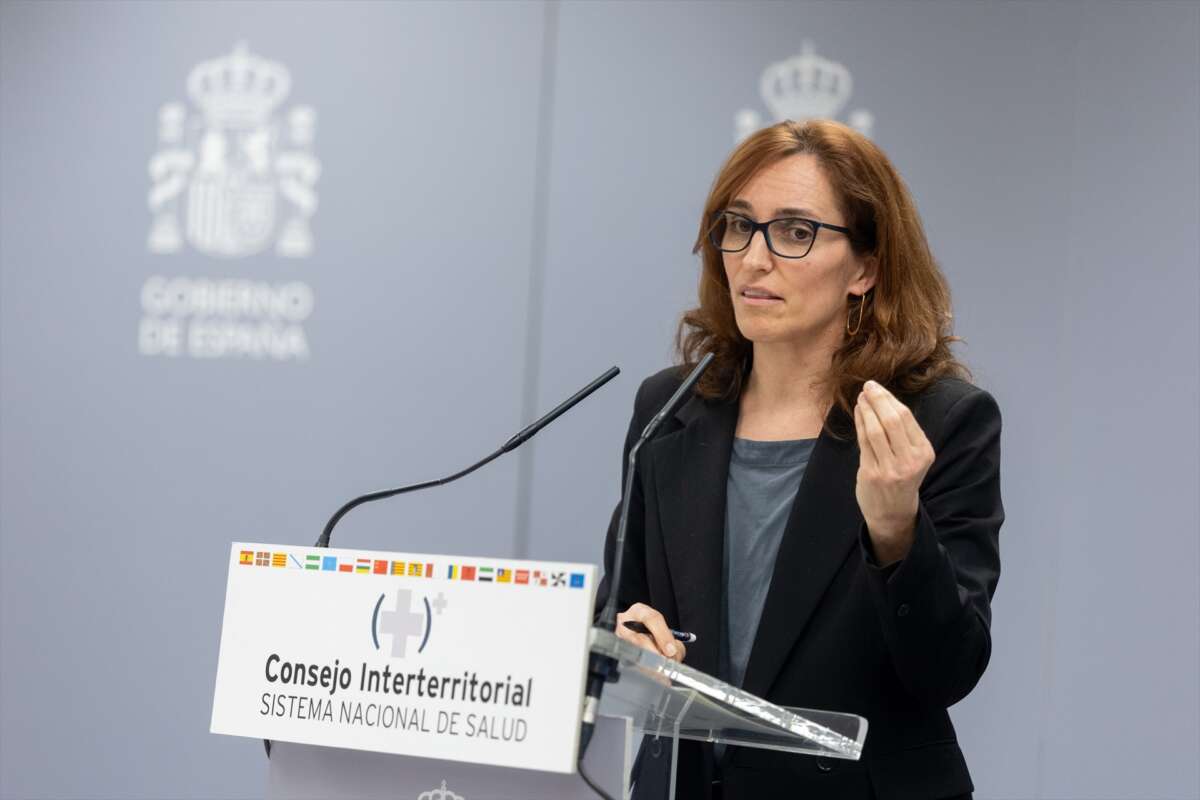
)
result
[(779, 212)]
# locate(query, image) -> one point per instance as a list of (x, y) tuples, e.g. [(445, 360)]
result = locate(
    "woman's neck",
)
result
[(785, 375), (784, 398)]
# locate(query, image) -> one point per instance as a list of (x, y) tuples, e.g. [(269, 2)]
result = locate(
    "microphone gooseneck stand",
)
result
[(603, 669), (516, 441)]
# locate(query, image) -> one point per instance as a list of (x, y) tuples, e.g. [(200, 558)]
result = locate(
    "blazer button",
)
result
[(824, 765), (902, 610)]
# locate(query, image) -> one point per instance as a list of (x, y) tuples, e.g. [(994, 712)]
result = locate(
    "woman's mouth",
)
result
[(759, 297)]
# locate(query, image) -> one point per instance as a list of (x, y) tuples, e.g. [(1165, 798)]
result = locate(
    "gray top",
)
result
[(763, 479)]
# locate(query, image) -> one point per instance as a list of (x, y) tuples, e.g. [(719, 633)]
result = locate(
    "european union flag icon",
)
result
[(576, 580)]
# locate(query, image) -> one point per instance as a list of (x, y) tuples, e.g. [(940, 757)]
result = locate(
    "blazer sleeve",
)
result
[(935, 605), (633, 568)]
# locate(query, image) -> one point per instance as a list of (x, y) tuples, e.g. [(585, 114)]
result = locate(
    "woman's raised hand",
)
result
[(894, 456), (660, 640)]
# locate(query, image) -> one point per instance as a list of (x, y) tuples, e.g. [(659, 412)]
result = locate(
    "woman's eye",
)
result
[(798, 233), (739, 225)]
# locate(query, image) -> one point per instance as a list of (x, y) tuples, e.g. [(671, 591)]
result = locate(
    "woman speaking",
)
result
[(824, 510)]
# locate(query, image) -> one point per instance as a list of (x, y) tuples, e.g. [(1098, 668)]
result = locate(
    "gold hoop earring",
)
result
[(858, 327)]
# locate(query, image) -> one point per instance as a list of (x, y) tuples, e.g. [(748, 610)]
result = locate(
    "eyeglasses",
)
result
[(787, 237)]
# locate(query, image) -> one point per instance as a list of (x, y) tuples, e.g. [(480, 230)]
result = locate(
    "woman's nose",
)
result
[(757, 253)]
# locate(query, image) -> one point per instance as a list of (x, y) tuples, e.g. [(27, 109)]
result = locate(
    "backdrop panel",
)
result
[(257, 258), (1025, 132), (405, 143)]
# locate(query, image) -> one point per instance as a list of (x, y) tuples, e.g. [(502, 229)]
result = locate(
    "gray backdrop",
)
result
[(506, 203)]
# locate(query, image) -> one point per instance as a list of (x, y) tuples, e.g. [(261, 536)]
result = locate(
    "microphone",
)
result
[(602, 668), (512, 444)]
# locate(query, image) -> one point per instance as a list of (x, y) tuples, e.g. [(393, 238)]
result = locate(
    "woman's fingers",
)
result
[(660, 639), (881, 450), (906, 440), (866, 451), (640, 639), (901, 425), (916, 436)]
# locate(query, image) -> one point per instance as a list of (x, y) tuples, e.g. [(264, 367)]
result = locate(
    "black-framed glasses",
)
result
[(787, 237)]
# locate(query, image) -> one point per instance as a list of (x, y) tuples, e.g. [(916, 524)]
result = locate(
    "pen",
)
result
[(683, 636)]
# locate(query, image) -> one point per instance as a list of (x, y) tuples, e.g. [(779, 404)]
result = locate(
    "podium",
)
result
[(654, 700)]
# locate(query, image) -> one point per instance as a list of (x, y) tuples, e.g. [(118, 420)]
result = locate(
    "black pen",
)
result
[(637, 627)]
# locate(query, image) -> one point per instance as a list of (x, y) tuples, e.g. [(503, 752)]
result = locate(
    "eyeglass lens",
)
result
[(790, 238)]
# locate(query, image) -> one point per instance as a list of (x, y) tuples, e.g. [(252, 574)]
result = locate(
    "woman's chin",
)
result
[(760, 332)]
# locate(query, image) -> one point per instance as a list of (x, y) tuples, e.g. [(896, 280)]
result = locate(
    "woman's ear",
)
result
[(866, 275)]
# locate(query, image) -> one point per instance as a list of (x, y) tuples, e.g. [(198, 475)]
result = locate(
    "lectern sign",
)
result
[(479, 660)]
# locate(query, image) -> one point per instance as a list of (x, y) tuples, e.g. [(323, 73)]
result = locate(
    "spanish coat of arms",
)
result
[(802, 87), (233, 176)]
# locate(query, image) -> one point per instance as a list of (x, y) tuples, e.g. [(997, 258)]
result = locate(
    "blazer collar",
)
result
[(691, 470), (822, 530)]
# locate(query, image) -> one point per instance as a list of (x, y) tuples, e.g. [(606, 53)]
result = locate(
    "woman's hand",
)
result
[(894, 456), (661, 641)]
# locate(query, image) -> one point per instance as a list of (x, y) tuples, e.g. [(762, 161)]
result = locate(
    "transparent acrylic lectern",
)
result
[(664, 699), (653, 700)]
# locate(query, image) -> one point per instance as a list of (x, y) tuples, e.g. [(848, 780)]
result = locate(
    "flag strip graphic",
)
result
[(413, 569)]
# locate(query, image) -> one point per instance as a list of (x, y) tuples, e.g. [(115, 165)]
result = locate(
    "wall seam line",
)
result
[(531, 382)]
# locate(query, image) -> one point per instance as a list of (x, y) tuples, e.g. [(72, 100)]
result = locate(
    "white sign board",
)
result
[(477, 660)]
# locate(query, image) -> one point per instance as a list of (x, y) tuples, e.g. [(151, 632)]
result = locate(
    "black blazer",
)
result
[(896, 645)]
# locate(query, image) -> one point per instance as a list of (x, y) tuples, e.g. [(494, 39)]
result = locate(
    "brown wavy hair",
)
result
[(903, 341)]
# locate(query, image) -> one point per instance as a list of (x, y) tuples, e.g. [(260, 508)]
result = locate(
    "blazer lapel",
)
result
[(821, 529), (691, 468)]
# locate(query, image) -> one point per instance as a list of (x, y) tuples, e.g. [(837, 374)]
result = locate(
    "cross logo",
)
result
[(401, 623)]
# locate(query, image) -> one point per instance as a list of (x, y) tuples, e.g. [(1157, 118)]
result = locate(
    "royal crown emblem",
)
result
[(802, 87), (440, 794), (235, 164)]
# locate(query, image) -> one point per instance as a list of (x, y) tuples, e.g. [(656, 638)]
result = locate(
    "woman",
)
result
[(824, 511)]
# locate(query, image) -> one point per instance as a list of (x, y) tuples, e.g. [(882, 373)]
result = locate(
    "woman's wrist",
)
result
[(891, 544)]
